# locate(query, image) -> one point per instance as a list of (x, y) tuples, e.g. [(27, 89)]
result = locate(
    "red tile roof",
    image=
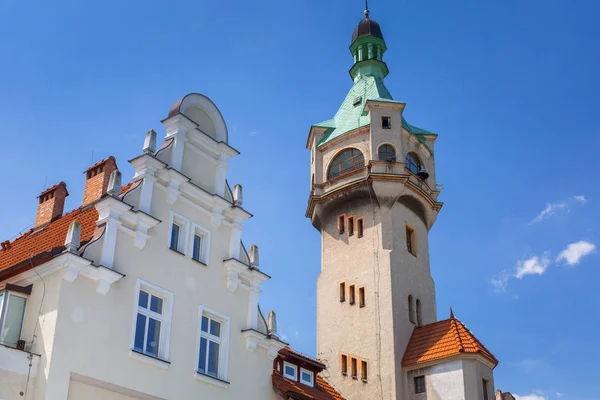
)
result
[(288, 350), (440, 340), (40, 245), (296, 390)]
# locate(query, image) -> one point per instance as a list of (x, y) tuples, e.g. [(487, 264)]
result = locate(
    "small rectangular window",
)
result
[(197, 250), (411, 240), (359, 227), (363, 370), (12, 311), (386, 122), (350, 226), (341, 224), (420, 384), (352, 294), (290, 371), (361, 297), (354, 368), (175, 237), (484, 383), (307, 377), (342, 292), (344, 364)]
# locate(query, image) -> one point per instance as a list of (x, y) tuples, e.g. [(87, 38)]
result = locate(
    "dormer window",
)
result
[(307, 377), (290, 371), (386, 122)]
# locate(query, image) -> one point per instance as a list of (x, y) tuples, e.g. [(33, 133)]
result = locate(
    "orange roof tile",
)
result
[(440, 340), (43, 243), (296, 390), (288, 349)]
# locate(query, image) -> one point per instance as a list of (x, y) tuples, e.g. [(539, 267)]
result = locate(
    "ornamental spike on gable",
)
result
[(238, 195), (451, 313), (254, 260), (114, 183), (72, 241), (271, 323), (150, 142)]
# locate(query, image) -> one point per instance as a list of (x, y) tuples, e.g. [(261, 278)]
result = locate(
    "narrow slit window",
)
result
[(359, 227), (361, 297), (411, 240), (410, 309), (419, 317), (344, 364), (354, 368), (342, 292), (386, 122), (341, 224), (175, 237), (350, 226), (363, 370), (352, 294), (484, 383), (197, 250)]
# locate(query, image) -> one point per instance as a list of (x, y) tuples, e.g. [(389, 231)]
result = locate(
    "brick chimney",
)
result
[(51, 204), (96, 179)]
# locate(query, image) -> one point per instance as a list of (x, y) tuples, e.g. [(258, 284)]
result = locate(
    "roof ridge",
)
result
[(460, 342)]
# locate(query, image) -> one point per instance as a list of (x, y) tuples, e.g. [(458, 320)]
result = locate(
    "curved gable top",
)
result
[(202, 111)]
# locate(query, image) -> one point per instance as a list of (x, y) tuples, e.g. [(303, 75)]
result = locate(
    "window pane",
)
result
[(204, 324), (13, 321), (290, 371), (174, 236), (140, 329), (153, 337), (197, 247), (143, 300), (156, 304), (215, 328), (306, 377), (213, 358), (202, 360)]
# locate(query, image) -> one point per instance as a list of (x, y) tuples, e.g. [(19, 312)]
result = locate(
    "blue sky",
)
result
[(510, 86)]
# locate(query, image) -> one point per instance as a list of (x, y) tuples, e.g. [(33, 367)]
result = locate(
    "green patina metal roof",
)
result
[(352, 114)]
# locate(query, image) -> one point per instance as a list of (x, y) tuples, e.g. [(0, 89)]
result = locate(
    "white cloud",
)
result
[(532, 266), (501, 281), (559, 394), (563, 206), (575, 252), (532, 396)]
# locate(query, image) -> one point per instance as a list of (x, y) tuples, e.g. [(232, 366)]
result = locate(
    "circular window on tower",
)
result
[(386, 153), (346, 161)]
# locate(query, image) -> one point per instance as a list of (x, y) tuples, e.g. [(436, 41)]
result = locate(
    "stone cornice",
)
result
[(256, 339), (239, 275)]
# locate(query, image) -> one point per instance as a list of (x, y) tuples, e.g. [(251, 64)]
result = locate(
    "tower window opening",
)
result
[(342, 292), (412, 163), (410, 309), (357, 101), (419, 384), (386, 122), (411, 244), (350, 226), (484, 383), (354, 370), (341, 225), (361, 297), (363, 370), (346, 161), (344, 364), (352, 294), (419, 316), (359, 227), (386, 153)]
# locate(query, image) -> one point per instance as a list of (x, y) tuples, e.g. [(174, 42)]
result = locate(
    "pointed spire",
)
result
[(114, 183), (150, 142), (367, 12), (451, 313)]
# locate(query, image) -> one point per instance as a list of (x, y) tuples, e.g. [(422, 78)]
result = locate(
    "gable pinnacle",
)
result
[(451, 313)]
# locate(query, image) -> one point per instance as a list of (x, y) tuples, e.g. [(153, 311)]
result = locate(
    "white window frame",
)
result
[(310, 383), (205, 246), (165, 331), (4, 307), (294, 367), (223, 373), (184, 227)]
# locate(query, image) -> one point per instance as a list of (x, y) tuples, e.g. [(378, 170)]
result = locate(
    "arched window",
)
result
[(387, 153), (419, 317), (413, 163), (345, 161), (410, 309)]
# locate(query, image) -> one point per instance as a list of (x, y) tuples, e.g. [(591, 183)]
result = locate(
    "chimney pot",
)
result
[(150, 142), (51, 204), (73, 238), (97, 179)]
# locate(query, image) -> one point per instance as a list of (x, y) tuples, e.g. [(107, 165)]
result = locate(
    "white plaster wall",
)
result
[(475, 372), (82, 391), (443, 381), (14, 371)]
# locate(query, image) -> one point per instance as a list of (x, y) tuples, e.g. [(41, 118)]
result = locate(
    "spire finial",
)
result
[(367, 12), (451, 313)]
